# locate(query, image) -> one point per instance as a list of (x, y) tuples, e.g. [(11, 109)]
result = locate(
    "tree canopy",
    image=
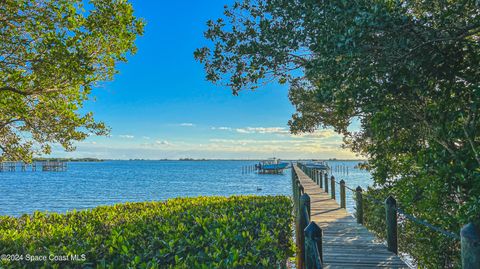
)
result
[(407, 70), (51, 55)]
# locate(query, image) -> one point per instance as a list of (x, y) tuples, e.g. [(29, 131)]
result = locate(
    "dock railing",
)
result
[(308, 233), (309, 241)]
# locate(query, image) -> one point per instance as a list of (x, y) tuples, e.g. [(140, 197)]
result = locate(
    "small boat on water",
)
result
[(318, 165), (271, 166)]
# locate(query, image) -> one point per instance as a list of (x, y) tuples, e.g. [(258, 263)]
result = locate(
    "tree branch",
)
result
[(15, 90), (28, 93)]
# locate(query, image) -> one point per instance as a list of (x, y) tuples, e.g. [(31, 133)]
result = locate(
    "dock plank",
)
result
[(346, 244)]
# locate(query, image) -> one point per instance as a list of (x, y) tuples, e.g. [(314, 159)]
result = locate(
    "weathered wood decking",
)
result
[(346, 244)]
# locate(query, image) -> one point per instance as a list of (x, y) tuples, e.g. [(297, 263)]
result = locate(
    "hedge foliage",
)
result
[(203, 232)]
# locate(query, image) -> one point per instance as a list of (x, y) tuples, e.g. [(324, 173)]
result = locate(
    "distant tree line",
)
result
[(67, 159)]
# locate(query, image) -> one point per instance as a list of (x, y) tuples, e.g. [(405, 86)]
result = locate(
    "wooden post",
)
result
[(391, 220), (313, 246), (332, 187), (299, 192), (297, 231), (294, 189), (470, 244), (302, 224), (343, 203), (359, 204), (326, 182), (298, 216)]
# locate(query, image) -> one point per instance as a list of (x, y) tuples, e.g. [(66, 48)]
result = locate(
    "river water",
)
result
[(90, 184)]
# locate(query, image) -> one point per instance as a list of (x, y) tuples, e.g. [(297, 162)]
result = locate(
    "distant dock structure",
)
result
[(55, 166), (46, 166)]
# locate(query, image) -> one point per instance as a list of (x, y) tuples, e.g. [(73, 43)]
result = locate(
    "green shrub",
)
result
[(203, 232)]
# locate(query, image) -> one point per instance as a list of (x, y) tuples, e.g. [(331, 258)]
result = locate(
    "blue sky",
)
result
[(160, 106)]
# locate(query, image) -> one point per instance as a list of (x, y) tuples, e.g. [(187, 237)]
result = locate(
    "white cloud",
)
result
[(281, 131), (318, 134), (187, 124), (282, 147), (126, 136), (223, 128), (243, 131), (246, 141), (146, 137), (263, 130)]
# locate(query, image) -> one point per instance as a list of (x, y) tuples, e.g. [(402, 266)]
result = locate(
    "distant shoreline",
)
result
[(200, 160), (67, 160), (182, 160)]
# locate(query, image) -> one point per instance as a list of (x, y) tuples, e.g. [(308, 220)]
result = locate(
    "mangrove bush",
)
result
[(203, 232)]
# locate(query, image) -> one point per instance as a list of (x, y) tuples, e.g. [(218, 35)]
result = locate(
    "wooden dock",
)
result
[(344, 243), (46, 166)]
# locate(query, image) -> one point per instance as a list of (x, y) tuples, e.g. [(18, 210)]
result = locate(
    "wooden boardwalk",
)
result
[(346, 244)]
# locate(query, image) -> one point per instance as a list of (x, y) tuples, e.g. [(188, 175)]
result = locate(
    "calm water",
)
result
[(86, 185), (354, 177)]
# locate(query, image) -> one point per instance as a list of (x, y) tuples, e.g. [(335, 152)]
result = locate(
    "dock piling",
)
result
[(470, 244), (302, 224), (391, 220), (359, 204), (343, 203), (332, 187), (313, 246), (326, 182)]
